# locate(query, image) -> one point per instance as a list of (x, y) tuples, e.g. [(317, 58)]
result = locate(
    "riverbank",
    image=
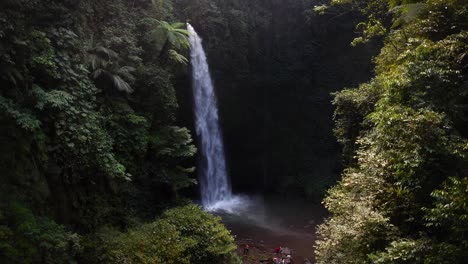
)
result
[(261, 252)]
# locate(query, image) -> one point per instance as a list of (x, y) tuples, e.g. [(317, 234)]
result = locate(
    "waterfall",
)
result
[(214, 183)]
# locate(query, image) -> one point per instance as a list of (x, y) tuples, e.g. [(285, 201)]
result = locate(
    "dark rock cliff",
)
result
[(275, 65)]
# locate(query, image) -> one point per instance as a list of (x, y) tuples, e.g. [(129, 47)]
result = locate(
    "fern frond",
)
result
[(177, 57), (22, 117), (54, 98)]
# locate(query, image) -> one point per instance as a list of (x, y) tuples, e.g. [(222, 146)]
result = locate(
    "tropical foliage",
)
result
[(401, 200), (89, 136), (182, 235), (96, 159)]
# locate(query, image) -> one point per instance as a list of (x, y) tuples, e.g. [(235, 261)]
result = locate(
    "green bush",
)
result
[(213, 242), (26, 238), (182, 235), (157, 242)]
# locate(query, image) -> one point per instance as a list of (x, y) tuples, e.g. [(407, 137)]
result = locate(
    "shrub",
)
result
[(213, 242), (182, 235), (26, 238)]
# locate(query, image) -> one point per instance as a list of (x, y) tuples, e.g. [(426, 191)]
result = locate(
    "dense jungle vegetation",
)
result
[(404, 194), (91, 152), (98, 162)]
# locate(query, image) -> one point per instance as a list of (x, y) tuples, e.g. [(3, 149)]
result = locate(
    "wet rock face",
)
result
[(274, 65)]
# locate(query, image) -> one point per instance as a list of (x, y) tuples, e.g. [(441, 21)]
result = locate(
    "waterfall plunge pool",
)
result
[(268, 222)]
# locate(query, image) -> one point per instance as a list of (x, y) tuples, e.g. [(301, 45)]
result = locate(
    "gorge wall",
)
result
[(275, 65)]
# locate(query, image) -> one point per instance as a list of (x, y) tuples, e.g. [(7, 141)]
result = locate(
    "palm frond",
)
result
[(183, 40), (128, 69), (105, 53), (174, 40), (11, 74), (177, 25), (101, 57), (97, 73), (164, 24), (121, 85), (126, 72), (172, 34), (181, 31), (93, 61)]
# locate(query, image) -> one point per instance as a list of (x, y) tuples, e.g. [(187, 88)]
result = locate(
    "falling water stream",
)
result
[(215, 188)]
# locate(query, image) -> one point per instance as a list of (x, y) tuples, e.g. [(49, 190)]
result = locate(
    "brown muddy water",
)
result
[(269, 222)]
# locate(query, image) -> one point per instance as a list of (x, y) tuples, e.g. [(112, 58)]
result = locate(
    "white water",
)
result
[(214, 184)]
